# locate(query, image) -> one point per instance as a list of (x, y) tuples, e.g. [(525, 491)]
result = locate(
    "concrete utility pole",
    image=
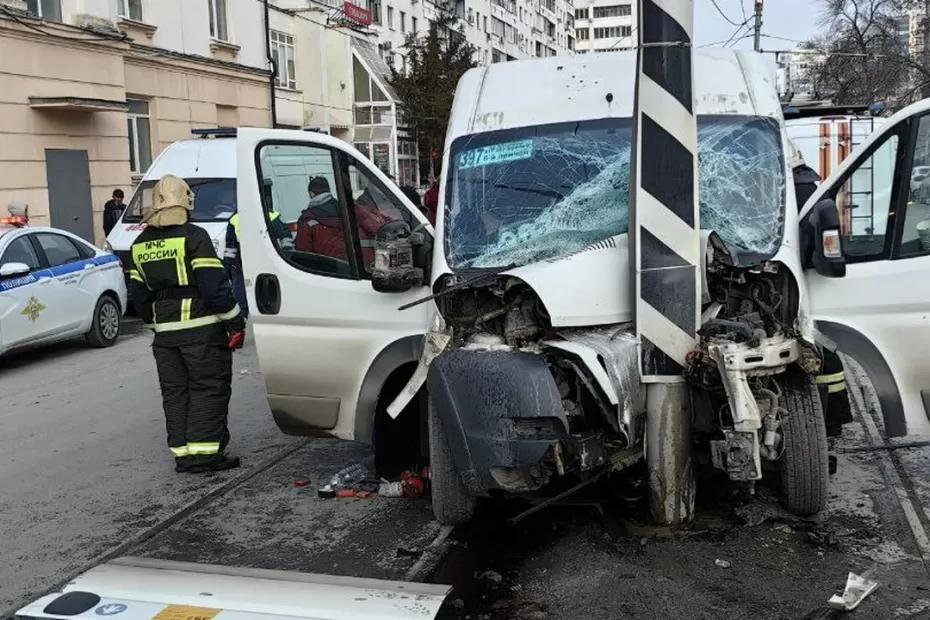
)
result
[(757, 27), (665, 247)]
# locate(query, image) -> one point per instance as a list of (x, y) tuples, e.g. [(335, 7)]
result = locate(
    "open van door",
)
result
[(310, 208), (869, 220)]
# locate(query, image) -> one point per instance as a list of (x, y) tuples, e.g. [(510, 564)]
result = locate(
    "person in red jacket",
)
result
[(320, 225)]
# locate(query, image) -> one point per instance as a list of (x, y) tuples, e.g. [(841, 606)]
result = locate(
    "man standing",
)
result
[(112, 211), (179, 287)]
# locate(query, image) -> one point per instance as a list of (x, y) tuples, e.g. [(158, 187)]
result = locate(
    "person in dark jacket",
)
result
[(180, 289), (232, 253), (112, 211)]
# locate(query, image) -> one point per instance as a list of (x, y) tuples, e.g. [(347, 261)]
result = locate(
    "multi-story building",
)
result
[(499, 30), (92, 90), (605, 25)]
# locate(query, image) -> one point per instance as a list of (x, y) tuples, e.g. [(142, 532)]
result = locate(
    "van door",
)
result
[(309, 207), (879, 312)]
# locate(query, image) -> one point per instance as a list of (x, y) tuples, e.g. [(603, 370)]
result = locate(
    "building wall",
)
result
[(591, 44), (188, 85), (34, 65)]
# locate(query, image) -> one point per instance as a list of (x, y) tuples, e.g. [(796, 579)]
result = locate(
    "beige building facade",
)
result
[(84, 111)]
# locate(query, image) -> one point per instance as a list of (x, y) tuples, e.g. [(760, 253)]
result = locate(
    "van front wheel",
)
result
[(804, 466), (452, 504)]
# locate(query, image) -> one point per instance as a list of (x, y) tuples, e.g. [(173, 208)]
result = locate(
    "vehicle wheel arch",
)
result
[(855, 344), (391, 359), (114, 296)]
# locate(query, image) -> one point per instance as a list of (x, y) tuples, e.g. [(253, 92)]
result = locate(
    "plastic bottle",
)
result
[(348, 476)]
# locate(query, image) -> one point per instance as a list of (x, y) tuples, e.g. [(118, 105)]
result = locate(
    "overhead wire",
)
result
[(724, 15)]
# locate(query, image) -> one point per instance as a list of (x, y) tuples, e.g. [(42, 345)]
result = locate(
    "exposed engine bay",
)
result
[(748, 338)]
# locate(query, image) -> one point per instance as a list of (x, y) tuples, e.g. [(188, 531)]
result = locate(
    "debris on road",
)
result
[(857, 588), (491, 576), (822, 538), (722, 563), (299, 484)]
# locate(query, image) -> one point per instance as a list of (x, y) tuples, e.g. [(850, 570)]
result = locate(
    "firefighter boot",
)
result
[(219, 462)]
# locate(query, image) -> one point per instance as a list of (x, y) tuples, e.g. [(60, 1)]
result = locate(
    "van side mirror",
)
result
[(12, 270), (821, 241), (399, 258)]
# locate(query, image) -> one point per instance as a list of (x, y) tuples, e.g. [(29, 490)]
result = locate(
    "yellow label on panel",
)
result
[(186, 612)]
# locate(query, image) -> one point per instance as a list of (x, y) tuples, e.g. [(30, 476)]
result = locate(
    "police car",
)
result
[(55, 286)]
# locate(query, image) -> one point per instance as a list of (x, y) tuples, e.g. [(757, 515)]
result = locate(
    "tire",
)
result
[(803, 465), (452, 504), (104, 328)]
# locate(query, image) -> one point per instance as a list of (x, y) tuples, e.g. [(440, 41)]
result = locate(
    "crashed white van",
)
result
[(534, 367)]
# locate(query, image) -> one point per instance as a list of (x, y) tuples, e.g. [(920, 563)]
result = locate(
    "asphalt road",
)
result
[(84, 472), (83, 462)]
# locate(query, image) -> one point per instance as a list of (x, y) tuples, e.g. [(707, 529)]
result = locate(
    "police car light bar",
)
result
[(216, 132)]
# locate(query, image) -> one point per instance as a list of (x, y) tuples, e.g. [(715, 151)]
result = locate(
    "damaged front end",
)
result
[(523, 402), (749, 338)]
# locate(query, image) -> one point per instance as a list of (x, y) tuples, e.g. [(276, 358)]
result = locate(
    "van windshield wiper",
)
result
[(461, 285)]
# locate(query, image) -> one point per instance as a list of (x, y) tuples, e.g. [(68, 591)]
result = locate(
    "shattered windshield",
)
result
[(535, 193)]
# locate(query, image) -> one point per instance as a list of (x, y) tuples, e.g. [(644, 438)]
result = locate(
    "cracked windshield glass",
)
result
[(537, 193)]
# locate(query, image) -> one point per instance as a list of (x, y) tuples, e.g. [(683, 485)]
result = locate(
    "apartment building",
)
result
[(605, 25), (93, 90), (500, 30)]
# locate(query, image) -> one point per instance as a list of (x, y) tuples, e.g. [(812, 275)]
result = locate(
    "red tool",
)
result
[(236, 340)]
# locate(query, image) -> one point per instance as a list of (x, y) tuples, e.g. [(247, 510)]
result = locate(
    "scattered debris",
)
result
[(408, 553), (783, 527), (245, 371), (722, 563), (391, 489), (490, 576), (857, 588), (823, 538), (299, 484)]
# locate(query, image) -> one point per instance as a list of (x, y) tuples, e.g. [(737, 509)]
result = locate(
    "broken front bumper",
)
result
[(506, 425)]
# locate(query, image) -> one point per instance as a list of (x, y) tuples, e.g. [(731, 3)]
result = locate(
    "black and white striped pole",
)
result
[(665, 246)]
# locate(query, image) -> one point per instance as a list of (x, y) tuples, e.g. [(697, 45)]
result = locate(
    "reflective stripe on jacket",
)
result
[(176, 280)]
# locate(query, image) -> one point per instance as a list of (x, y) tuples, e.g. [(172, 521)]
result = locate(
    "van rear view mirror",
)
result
[(821, 240)]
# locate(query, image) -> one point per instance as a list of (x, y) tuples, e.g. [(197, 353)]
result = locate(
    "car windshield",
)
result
[(214, 200), (536, 193)]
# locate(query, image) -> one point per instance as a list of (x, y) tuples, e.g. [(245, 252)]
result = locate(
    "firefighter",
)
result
[(232, 257), (180, 289), (831, 381)]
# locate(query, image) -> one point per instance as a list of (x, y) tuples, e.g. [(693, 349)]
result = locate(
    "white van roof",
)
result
[(199, 158), (568, 88)]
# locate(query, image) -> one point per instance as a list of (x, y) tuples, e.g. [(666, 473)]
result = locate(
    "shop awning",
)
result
[(368, 55), (81, 104)]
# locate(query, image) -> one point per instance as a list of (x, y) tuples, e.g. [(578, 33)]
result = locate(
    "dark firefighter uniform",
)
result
[(232, 255), (179, 287), (831, 382)]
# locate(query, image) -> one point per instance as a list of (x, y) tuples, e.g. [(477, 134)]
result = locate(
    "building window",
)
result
[(218, 23), (413, 25), (390, 18), (581, 13), (485, 23), (582, 34), (498, 28), (616, 10), (375, 7), (140, 137), (131, 9), (612, 32), (403, 22), (282, 50), (46, 9)]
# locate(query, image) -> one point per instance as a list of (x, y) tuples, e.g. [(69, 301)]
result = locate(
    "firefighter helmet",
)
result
[(172, 191)]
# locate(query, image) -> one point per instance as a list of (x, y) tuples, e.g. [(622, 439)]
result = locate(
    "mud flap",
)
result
[(144, 589)]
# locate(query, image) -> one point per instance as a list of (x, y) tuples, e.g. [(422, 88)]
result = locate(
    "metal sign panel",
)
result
[(665, 225)]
